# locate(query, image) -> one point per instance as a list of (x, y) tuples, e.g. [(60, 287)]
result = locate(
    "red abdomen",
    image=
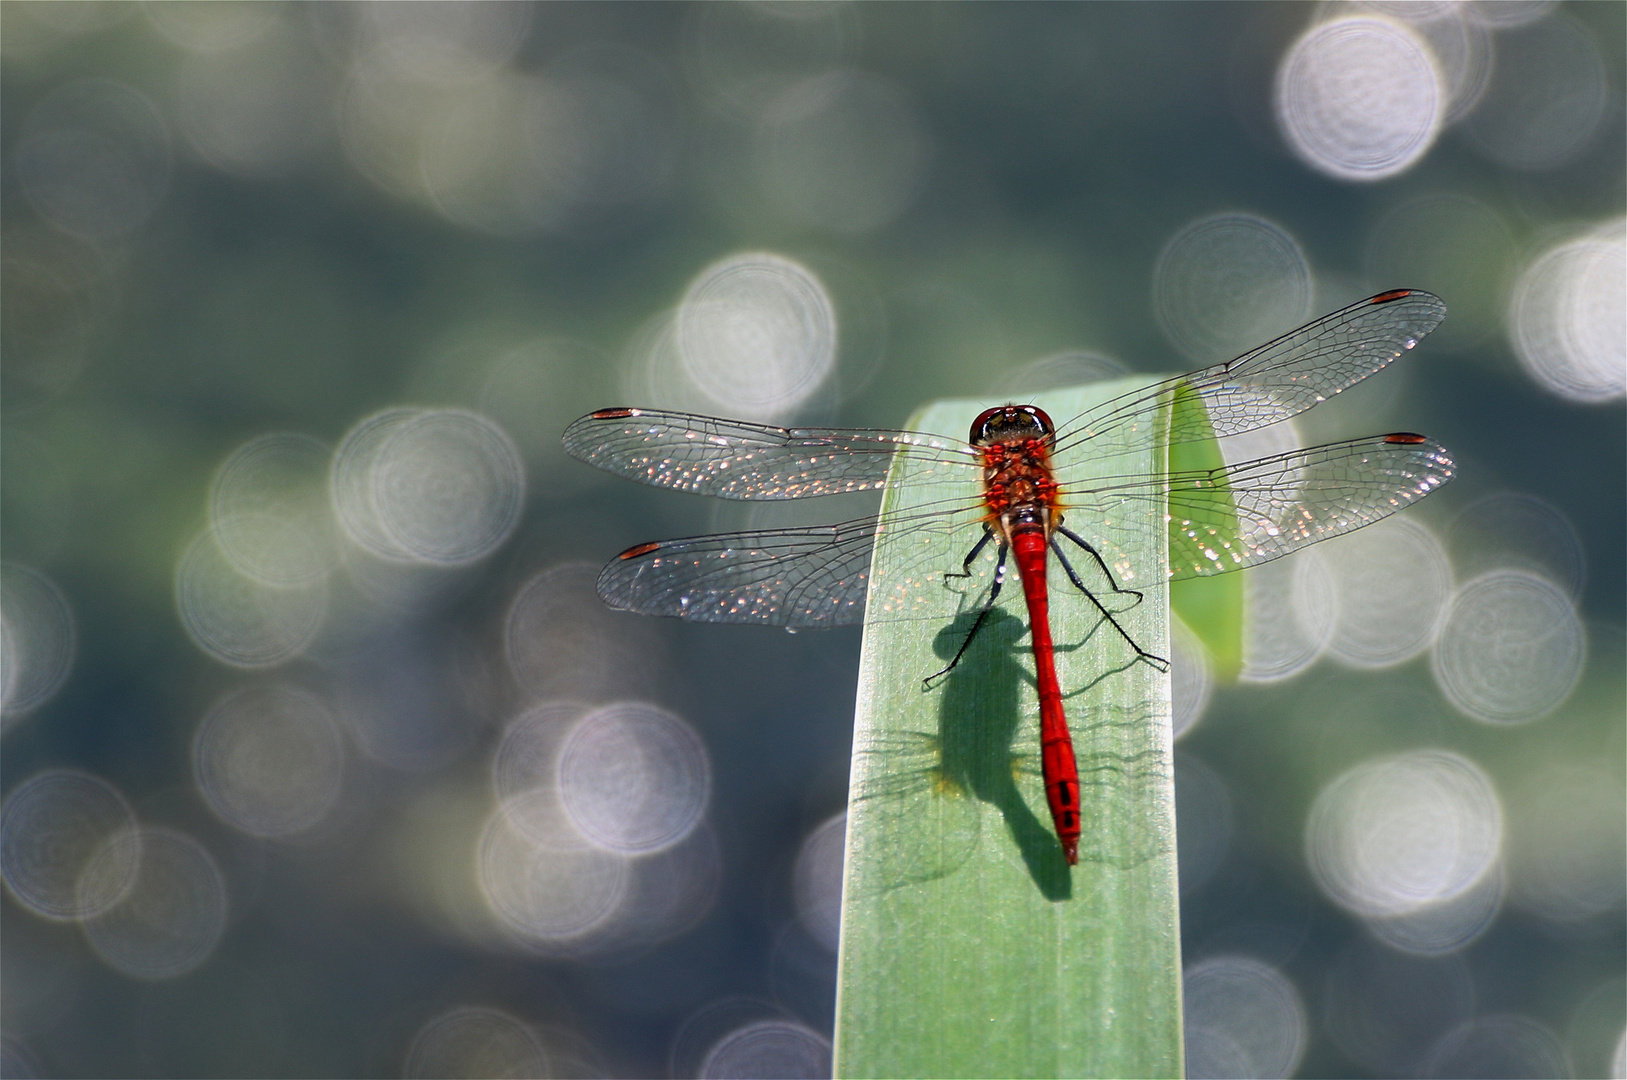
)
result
[(1060, 772)]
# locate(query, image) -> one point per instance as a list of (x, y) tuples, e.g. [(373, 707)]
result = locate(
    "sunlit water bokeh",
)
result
[(322, 756)]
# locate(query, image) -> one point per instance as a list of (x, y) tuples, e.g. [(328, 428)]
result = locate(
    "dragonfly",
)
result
[(1009, 487)]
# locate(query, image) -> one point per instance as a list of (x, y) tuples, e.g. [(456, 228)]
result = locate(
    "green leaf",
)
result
[(1211, 607), (969, 946)]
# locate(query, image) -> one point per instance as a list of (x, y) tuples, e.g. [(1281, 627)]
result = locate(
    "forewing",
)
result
[(1272, 383), (736, 459)]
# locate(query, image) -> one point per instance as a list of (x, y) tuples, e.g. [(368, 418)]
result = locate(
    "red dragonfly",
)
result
[(1009, 484)]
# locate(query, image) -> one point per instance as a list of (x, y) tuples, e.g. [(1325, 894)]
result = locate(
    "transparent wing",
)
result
[(1220, 520), (1246, 514), (1279, 379), (736, 459), (1290, 501), (806, 577)]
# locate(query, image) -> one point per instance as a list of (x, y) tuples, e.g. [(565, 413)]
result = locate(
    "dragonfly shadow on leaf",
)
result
[(1120, 756), (978, 716), (983, 750)]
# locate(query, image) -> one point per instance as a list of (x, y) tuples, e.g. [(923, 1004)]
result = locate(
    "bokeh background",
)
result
[(320, 756)]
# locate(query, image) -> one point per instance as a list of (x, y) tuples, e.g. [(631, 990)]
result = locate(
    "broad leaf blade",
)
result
[(1211, 607), (969, 947)]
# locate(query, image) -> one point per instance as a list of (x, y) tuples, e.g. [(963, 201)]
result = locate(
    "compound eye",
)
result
[(1040, 415), (980, 426)]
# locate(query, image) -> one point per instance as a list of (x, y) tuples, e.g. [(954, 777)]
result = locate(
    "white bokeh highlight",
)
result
[(634, 778), (270, 760), (351, 481), (448, 486), (238, 620), (1398, 833), (1443, 926), (1568, 317), (1360, 98), (270, 511), (1229, 282), (557, 891), (1392, 582), (1511, 650), (1242, 1018), (527, 760), (1511, 530), (438, 487), (1464, 50), (37, 640), (780, 1048), (756, 333), (1192, 683), (476, 1041), (173, 915), (53, 826), (816, 881), (546, 884), (1290, 607)]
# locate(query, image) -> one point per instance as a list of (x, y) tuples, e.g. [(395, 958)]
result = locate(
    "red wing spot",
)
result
[(1405, 437), (612, 414), (639, 549), (1393, 294)]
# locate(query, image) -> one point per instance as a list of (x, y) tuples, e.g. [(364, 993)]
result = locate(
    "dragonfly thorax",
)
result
[(1018, 485)]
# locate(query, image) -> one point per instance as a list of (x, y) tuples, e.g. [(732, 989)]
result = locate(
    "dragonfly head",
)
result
[(1010, 424)]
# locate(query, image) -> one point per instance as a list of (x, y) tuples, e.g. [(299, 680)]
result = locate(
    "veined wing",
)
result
[(737, 459), (1273, 382), (1245, 514), (1228, 518), (803, 577)]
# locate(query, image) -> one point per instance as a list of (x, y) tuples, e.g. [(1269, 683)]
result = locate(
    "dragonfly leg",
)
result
[(1156, 661), (1094, 554), (994, 594), (971, 557)]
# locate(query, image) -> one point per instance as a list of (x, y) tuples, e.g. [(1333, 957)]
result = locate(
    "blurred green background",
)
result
[(233, 233)]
